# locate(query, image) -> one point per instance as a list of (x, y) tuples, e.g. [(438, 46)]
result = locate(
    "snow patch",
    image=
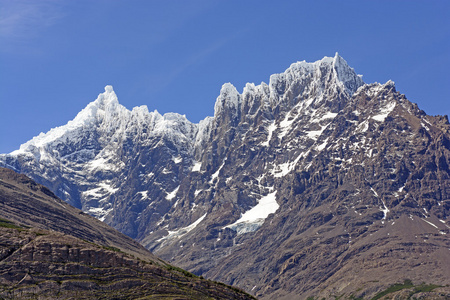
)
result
[(144, 194), (384, 112), (99, 212), (314, 134), (323, 145), (281, 170), (271, 129), (182, 231), (285, 168), (197, 167), (102, 190), (430, 223), (172, 194), (285, 125), (385, 210), (166, 171), (425, 126), (375, 193), (252, 219), (328, 115), (101, 163), (177, 160), (216, 174)]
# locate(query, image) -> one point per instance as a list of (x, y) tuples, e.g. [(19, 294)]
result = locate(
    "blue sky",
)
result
[(56, 56)]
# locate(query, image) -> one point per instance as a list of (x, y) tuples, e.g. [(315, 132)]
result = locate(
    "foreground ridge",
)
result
[(49, 250)]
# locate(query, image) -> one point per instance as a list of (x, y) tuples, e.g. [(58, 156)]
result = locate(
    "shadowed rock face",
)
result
[(30, 204), (314, 185), (366, 208), (53, 251)]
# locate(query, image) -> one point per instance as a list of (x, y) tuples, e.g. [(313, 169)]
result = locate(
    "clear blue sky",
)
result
[(56, 56)]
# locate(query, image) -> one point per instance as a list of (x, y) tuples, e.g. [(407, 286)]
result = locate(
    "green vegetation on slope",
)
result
[(407, 284), (8, 224)]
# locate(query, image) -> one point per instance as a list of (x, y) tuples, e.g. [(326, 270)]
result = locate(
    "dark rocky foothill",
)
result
[(54, 251)]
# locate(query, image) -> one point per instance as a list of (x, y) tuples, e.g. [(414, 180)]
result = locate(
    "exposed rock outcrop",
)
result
[(54, 251)]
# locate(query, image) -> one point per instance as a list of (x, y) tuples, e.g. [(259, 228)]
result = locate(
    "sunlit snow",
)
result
[(99, 212), (182, 231), (282, 170), (177, 160), (313, 134), (384, 112), (197, 166), (172, 194), (144, 194), (252, 219), (216, 174), (285, 125), (271, 129), (323, 145), (100, 191)]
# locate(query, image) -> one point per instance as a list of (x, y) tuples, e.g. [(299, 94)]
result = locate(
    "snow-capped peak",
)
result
[(109, 118), (106, 103), (109, 97), (329, 73), (229, 97), (346, 75), (319, 80)]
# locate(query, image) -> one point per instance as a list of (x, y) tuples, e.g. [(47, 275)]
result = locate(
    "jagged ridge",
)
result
[(237, 195)]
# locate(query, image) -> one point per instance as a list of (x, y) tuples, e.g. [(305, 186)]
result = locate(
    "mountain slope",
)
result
[(366, 211), (50, 250), (288, 185), (33, 205)]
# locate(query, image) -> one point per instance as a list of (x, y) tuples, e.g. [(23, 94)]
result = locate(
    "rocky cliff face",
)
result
[(369, 202), (293, 189), (54, 251)]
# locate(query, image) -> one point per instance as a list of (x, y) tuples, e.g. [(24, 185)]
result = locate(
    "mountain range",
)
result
[(313, 185)]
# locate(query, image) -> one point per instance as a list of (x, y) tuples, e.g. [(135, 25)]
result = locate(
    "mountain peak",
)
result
[(109, 89), (346, 75), (108, 99), (322, 79), (228, 98), (106, 106)]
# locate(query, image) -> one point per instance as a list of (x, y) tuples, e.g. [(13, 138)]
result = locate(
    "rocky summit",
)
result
[(313, 185)]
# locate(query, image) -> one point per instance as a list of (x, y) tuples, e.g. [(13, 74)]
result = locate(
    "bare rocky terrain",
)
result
[(49, 250)]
